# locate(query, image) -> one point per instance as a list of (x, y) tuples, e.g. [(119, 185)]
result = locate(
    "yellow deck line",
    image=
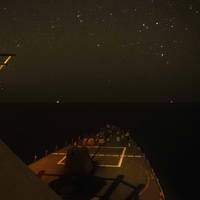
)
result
[(59, 154), (105, 155), (108, 166), (60, 162), (106, 147), (121, 157)]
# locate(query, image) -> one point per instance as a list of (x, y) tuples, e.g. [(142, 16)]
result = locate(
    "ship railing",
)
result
[(162, 196)]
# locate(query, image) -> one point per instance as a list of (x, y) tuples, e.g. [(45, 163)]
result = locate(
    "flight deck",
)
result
[(122, 172)]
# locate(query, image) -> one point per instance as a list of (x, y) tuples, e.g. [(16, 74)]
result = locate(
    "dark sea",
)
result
[(167, 133)]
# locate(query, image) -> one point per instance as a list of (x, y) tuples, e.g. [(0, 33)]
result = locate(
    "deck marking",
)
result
[(108, 166), (117, 155), (106, 147), (60, 162), (121, 157), (105, 155), (59, 154)]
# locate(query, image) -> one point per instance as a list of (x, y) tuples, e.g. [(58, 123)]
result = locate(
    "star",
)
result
[(18, 45), (171, 101), (158, 33), (145, 26)]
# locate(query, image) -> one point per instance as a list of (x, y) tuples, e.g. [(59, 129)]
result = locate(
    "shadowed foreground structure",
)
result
[(120, 169), (18, 182)]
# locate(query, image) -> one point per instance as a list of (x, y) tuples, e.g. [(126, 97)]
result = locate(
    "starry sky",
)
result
[(100, 51)]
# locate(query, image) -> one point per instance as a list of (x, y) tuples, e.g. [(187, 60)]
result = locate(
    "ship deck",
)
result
[(122, 173)]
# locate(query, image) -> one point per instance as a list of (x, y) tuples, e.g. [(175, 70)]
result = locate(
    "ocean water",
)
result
[(167, 133)]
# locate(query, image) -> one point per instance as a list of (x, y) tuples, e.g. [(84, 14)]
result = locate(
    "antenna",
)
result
[(6, 57)]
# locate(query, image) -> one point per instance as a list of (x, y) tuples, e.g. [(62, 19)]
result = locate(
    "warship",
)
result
[(104, 165)]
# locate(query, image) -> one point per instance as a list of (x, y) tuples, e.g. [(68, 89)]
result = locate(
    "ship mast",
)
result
[(6, 58)]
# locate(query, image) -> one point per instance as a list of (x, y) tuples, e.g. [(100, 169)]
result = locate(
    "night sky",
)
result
[(100, 50)]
